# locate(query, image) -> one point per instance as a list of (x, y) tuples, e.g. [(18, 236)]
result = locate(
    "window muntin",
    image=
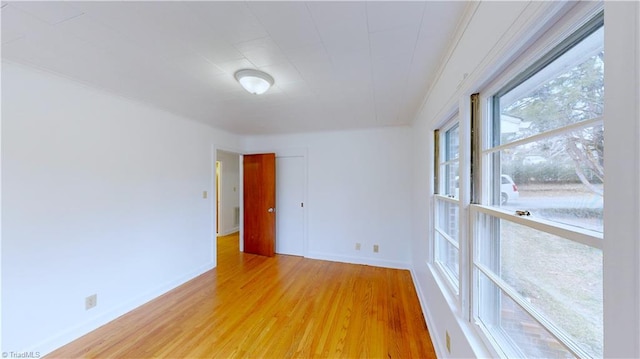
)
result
[(558, 178), (562, 279), (566, 91), (555, 107), (448, 220), (447, 255), (511, 327), (549, 137), (450, 162)]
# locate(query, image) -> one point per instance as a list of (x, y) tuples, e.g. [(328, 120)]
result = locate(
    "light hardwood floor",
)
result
[(281, 307)]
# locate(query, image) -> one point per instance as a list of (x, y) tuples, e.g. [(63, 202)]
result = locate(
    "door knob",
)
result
[(270, 210)]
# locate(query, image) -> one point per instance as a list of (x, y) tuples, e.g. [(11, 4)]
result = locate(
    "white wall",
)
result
[(100, 195), (358, 189), (229, 192), (493, 35), (482, 35), (622, 184), (104, 195)]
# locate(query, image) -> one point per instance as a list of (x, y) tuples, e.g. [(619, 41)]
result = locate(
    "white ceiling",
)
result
[(336, 65)]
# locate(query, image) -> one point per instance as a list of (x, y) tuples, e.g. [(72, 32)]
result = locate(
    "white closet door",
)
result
[(289, 205)]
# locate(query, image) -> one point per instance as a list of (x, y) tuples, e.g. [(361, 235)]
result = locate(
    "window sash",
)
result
[(556, 332), (478, 267), (486, 181), (580, 235), (442, 231), (544, 135), (443, 159)]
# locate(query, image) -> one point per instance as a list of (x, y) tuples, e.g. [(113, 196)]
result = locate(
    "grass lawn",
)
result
[(561, 278)]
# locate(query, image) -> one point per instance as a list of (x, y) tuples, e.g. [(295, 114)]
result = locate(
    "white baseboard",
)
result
[(228, 231), (438, 345), (358, 260), (57, 341), (468, 332)]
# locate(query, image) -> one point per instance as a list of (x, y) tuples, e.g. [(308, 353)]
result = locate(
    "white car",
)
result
[(508, 190)]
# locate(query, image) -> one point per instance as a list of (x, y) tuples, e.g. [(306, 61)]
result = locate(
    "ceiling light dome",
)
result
[(254, 81)]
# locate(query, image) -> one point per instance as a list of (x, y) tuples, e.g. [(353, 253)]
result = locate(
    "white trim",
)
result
[(461, 28), (450, 281), (332, 257), (438, 345), (580, 235), (439, 197), (538, 25), (213, 207), (241, 194), (512, 44), (573, 20), (570, 18), (450, 162), (228, 232), (291, 152), (489, 339), (453, 284), (215, 149), (447, 237), (50, 344), (551, 133), (450, 122), (556, 332), (622, 200), (470, 330)]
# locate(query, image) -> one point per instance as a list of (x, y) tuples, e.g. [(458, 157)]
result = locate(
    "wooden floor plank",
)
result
[(280, 307)]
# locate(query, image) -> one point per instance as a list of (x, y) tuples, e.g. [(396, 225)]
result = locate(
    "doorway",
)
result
[(228, 196), (291, 177), (218, 164)]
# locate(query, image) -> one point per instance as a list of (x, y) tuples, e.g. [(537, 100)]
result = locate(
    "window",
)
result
[(447, 218), (537, 217)]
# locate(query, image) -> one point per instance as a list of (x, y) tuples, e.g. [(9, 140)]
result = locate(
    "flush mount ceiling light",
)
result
[(254, 81)]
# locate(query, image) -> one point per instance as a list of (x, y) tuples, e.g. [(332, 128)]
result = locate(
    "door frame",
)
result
[(214, 210), (291, 152), (280, 152)]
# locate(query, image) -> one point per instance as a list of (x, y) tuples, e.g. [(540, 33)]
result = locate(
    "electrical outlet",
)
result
[(375, 248), (204, 194), (357, 246), (90, 301), (448, 340)]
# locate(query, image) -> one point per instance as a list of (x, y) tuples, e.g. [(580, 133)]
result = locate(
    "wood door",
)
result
[(259, 182)]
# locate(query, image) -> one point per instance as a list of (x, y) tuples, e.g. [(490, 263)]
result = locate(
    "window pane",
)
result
[(516, 331), (559, 178), (449, 167), (452, 143), (448, 219), (569, 90), (451, 179), (446, 213), (447, 254), (562, 279)]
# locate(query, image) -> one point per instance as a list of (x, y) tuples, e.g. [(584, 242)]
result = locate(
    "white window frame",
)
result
[(583, 236), (453, 285)]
